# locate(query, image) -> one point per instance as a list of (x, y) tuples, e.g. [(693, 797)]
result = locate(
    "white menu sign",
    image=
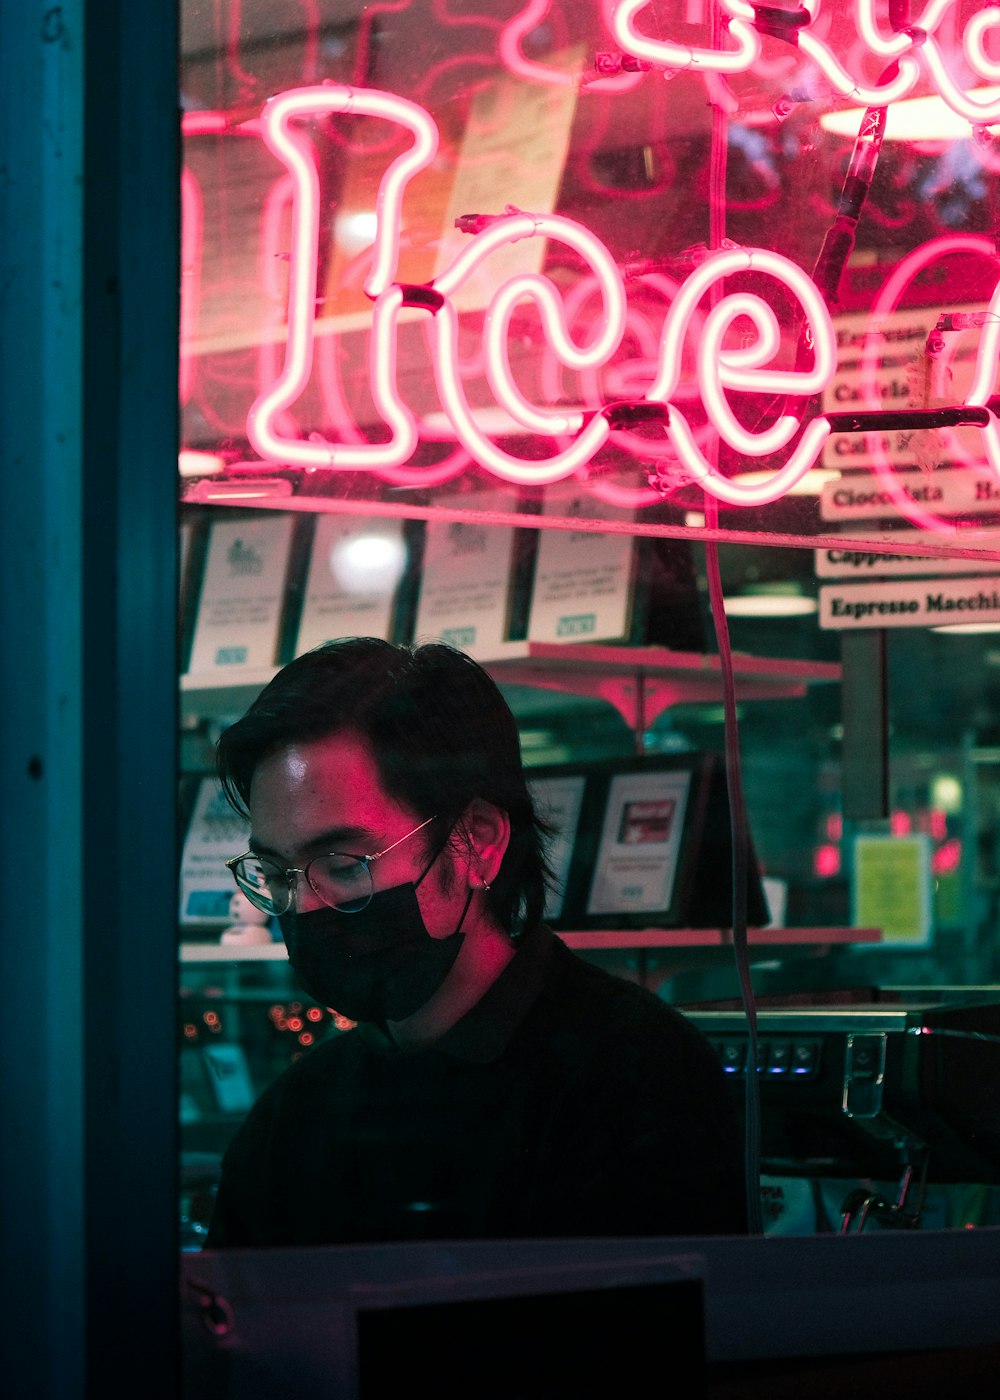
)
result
[(584, 581), (467, 583), (215, 833), (354, 572), (640, 841), (944, 493), (931, 602), (242, 596), (858, 561)]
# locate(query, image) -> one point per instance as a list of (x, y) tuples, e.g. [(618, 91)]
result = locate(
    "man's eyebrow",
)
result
[(348, 840)]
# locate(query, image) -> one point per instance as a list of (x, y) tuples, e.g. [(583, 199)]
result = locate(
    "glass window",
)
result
[(576, 334)]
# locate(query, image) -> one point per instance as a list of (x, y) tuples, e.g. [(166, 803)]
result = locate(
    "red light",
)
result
[(900, 824), (947, 858), (314, 1014), (295, 1023), (190, 1032), (306, 1038), (826, 861)]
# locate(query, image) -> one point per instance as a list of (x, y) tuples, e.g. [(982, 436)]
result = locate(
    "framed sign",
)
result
[(355, 569), (215, 832), (584, 584), (242, 601), (467, 584), (655, 847), (637, 858)]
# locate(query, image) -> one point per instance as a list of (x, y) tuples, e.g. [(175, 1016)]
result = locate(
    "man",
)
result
[(496, 1085)]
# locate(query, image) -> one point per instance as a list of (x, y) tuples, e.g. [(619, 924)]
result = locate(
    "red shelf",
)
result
[(590, 939), (641, 682)]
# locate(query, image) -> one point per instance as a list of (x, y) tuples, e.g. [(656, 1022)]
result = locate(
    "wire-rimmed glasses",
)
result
[(340, 880)]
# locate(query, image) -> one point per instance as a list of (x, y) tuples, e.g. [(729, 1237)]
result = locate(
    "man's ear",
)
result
[(488, 831)]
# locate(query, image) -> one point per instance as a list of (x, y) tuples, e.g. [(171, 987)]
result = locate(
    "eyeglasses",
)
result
[(343, 882)]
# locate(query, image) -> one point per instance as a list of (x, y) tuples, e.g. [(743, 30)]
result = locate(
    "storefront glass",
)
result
[(524, 327)]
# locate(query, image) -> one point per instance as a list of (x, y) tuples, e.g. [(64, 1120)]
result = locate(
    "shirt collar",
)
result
[(483, 1033)]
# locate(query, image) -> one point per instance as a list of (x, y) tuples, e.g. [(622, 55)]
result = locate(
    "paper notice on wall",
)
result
[(215, 833), (859, 560), (242, 596), (892, 888), (513, 154), (467, 582), (931, 602), (355, 569), (584, 587)]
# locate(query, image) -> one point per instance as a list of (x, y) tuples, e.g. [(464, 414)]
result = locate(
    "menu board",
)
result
[(355, 568), (242, 600), (637, 857), (215, 833), (584, 581), (467, 584)]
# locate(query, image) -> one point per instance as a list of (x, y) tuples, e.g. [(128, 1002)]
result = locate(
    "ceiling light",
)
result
[(193, 463), (369, 563), (769, 605), (912, 119), (809, 485), (774, 597), (967, 629)]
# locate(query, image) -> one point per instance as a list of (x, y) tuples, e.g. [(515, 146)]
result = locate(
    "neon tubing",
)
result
[(610, 327), (297, 155), (482, 448), (514, 60), (978, 113), (683, 56), (740, 369), (192, 250)]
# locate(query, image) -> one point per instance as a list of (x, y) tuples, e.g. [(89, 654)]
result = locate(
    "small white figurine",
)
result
[(249, 925)]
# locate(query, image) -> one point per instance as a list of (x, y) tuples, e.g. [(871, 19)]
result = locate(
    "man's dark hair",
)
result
[(440, 732)]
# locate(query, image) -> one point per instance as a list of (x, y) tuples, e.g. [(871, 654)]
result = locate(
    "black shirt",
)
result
[(568, 1102)]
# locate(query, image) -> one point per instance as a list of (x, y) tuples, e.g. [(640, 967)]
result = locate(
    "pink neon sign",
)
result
[(576, 431), (906, 53)]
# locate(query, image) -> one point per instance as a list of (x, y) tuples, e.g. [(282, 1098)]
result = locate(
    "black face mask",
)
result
[(379, 964)]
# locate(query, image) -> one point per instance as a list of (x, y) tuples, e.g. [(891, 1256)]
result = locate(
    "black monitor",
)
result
[(573, 1344), (644, 842), (570, 1319)]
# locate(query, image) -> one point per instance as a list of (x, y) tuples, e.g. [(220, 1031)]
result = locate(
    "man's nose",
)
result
[(304, 898)]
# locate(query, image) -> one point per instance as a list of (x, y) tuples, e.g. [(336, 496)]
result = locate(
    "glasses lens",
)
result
[(342, 882), (263, 883)]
